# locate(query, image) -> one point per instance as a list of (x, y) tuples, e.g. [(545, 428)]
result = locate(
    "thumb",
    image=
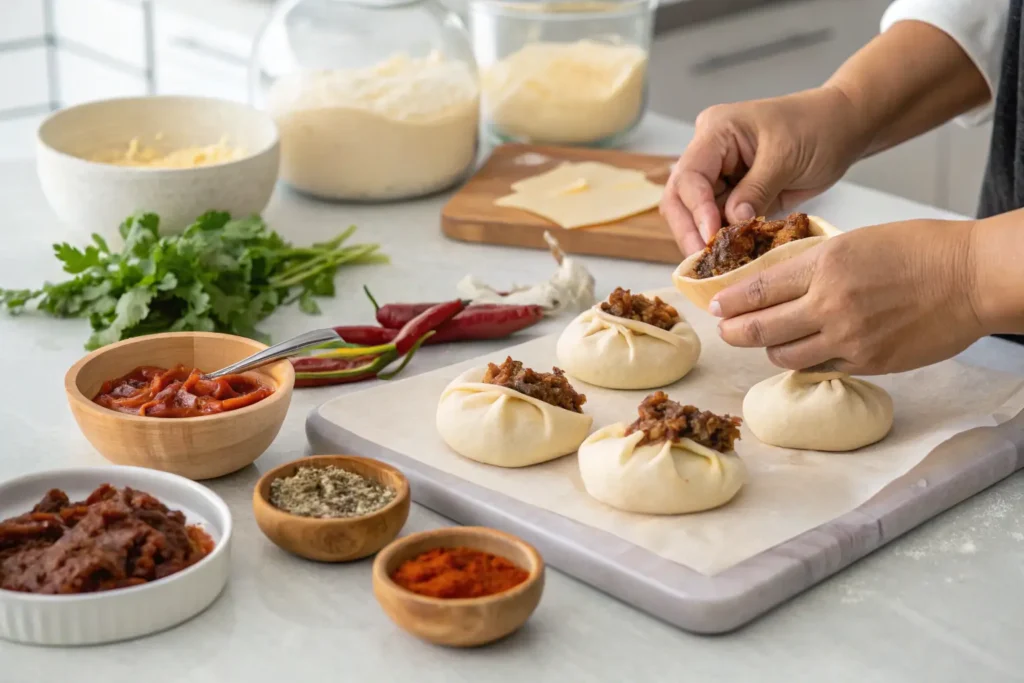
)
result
[(758, 192)]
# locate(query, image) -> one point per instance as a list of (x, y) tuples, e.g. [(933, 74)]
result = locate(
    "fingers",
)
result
[(680, 222), (758, 191), (773, 326), (810, 353), (783, 282)]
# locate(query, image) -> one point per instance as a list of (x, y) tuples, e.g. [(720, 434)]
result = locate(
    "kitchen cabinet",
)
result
[(110, 29), (22, 20), (793, 46), (27, 70), (194, 58), (84, 80)]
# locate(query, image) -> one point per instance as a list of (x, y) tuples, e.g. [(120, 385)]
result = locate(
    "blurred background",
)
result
[(56, 53)]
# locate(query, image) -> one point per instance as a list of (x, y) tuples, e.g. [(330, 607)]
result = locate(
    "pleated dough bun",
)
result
[(817, 411), (659, 479), (619, 353), (500, 426)]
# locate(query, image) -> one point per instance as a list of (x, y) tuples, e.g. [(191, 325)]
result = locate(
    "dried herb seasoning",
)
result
[(329, 492)]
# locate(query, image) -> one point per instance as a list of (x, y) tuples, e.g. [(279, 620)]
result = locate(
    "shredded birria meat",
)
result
[(624, 304), (662, 419), (739, 244), (550, 387)]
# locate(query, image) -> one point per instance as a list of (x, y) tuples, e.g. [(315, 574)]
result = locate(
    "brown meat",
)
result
[(550, 387), (624, 304), (113, 539), (661, 419), (739, 244)]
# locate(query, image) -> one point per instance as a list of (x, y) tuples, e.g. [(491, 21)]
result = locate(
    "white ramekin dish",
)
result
[(108, 616), (91, 196)]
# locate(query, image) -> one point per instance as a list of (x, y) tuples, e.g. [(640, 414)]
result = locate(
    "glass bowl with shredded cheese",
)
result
[(175, 156), (570, 72)]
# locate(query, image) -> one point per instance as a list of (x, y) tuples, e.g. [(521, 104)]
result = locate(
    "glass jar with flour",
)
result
[(570, 72), (375, 100)]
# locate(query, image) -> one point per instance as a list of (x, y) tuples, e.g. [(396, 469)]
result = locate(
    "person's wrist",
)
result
[(996, 286), (853, 117)]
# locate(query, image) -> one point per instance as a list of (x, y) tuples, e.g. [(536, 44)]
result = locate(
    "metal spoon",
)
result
[(277, 352)]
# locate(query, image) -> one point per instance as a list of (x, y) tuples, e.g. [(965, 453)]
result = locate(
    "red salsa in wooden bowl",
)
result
[(179, 392)]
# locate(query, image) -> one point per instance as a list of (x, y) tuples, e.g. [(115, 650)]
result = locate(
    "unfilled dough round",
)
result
[(817, 411), (619, 353), (660, 479), (499, 426)]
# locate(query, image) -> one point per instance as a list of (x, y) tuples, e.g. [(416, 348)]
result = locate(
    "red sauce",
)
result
[(179, 392)]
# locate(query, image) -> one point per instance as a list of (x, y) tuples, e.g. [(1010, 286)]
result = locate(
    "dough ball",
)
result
[(817, 411), (620, 353), (500, 426), (662, 478)]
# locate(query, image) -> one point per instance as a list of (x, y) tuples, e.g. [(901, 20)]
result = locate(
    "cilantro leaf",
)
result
[(76, 261)]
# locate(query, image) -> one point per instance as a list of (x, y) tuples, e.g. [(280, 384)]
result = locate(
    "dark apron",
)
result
[(1003, 186)]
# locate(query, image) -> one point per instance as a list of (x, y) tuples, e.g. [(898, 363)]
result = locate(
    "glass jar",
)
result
[(374, 99), (567, 72)]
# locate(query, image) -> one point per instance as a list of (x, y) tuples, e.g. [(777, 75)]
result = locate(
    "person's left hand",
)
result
[(883, 299)]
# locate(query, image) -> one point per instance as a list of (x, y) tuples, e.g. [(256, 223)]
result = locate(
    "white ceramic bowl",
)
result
[(96, 197), (108, 616)]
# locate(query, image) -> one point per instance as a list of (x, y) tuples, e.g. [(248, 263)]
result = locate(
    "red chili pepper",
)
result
[(427, 321), (396, 315), (366, 335), (487, 323)]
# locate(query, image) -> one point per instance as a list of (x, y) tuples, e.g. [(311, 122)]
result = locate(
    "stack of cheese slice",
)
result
[(576, 195)]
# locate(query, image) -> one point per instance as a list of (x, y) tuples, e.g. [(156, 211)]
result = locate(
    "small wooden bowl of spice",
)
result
[(332, 508), (459, 586)]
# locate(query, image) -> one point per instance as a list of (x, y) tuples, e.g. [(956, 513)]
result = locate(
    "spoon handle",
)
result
[(277, 352)]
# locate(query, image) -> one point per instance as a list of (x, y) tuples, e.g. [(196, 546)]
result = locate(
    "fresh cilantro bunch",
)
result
[(220, 275)]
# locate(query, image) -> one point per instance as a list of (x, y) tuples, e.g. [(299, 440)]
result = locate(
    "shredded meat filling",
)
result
[(624, 304), (661, 419), (739, 244), (114, 539), (550, 387)]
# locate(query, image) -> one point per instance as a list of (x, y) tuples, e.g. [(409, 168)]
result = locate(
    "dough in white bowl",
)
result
[(615, 352), (667, 477), (500, 426), (828, 411)]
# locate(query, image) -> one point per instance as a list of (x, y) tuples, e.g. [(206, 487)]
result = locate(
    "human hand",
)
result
[(883, 299), (755, 158)]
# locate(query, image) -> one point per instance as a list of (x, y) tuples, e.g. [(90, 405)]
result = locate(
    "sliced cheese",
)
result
[(576, 195)]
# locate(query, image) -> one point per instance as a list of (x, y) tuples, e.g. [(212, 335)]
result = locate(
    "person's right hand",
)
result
[(755, 158)]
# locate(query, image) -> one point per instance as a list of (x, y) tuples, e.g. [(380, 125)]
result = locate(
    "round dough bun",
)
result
[(828, 411), (619, 353), (701, 291), (657, 479), (499, 426)]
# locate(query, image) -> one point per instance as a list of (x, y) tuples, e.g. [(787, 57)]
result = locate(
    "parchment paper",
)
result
[(788, 492)]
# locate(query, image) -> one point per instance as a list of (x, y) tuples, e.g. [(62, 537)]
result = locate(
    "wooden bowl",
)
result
[(340, 539), (700, 292), (459, 622), (194, 447)]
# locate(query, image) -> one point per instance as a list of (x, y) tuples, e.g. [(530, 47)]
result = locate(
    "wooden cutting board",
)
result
[(471, 215)]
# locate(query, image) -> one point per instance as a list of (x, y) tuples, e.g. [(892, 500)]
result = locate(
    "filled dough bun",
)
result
[(500, 426), (701, 291), (817, 411), (664, 478), (619, 353)]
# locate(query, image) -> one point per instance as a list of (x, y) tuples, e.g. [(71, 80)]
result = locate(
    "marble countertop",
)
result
[(942, 603)]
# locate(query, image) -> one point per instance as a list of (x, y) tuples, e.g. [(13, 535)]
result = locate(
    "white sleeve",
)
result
[(978, 26)]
